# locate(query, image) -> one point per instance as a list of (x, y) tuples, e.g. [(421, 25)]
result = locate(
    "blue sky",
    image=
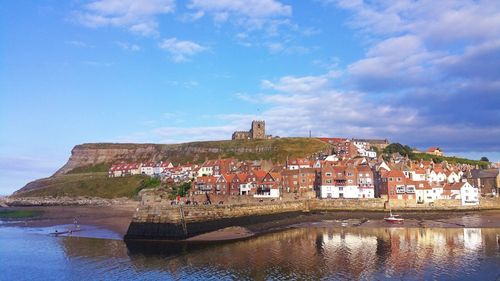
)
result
[(423, 73)]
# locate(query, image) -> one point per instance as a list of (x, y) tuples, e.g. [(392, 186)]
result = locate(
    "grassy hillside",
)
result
[(85, 179), (98, 157), (93, 185), (276, 150), (406, 150), (449, 159), (99, 168)]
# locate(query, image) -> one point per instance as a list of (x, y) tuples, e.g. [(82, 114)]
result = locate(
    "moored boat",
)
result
[(394, 218)]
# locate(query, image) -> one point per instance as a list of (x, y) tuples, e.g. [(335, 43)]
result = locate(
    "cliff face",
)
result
[(94, 154), (195, 152), (93, 158)]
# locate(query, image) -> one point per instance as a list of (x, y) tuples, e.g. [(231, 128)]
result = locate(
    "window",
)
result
[(328, 181), (341, 188), (410, 189), (390, 179), (328, 174), (398, 179), (400, 189)]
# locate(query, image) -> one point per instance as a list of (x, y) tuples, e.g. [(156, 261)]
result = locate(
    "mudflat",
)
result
[(118, 217), (115, 217)]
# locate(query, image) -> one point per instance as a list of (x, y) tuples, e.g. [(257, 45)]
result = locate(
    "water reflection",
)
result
[(302, 253), (342, 253)]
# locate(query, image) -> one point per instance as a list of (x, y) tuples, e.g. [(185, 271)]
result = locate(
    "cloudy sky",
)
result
[(423, 73)]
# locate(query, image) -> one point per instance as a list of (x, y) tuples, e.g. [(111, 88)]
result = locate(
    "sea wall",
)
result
[(62, 201), (157, 219)]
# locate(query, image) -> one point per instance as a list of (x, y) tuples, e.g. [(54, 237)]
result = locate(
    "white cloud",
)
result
[(128, 46), (181, 50), (98, 63), (79, 44), (136, 15), (304, 84), (436, 21), (253, 14), (187, 134), (192, 16), (280, 48)]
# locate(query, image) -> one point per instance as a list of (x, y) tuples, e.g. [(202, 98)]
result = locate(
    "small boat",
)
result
[(394, 218)]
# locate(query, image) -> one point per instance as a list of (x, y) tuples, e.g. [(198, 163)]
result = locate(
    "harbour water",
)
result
[(305, 253)]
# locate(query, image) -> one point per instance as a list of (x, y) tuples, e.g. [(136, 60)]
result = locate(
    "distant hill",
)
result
[(85, 172)]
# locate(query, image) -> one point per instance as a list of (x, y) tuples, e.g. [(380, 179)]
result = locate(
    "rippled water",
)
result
[(302, 253)]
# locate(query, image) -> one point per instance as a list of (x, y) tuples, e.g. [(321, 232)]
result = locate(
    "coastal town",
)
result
[(355, 169)]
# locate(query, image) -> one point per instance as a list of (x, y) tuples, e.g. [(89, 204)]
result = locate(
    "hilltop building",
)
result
[(435, 151), (257, 131)]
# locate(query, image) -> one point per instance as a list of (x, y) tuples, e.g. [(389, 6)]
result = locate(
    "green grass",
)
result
[(450, 160), (93, 181), (99, 168), (91, 185), (18, 214), (276, 150)]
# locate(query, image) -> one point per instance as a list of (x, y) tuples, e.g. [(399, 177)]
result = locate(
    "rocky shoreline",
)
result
[(62, 201)]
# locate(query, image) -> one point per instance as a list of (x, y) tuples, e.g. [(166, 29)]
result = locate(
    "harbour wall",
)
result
[(156, 219)]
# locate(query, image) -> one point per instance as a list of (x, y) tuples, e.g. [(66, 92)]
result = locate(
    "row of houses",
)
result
[(127, 169), (394, 185), (420, 182), (350, 148)]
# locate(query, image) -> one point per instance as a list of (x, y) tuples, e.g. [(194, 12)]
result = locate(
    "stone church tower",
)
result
[(258, 130)]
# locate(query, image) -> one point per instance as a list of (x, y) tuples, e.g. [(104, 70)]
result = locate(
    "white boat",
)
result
[(393, 218)]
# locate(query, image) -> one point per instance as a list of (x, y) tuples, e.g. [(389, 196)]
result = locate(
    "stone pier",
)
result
[(157, 219)]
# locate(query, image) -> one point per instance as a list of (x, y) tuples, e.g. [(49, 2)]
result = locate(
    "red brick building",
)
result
[(300, 180)]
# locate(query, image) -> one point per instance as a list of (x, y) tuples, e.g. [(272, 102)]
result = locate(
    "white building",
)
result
[(469, 194), (205, 170), (245, 188), (366, 192), (363, 150), (147, 168), (426, 193), (272, 193), (162, 166), (453, 177), (434, 176), (298, 164), (332, 158), (347, 191), (418, 175), (463, 191)]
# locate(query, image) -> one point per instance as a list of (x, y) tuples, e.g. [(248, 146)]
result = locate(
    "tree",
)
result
[(403, 150), (485, 159), (180, 190), (148, 183)]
